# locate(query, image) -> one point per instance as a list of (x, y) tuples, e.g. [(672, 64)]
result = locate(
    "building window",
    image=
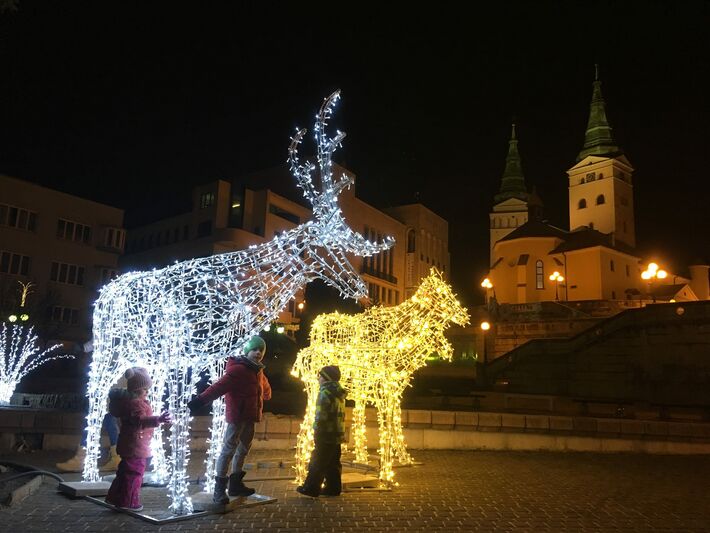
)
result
[(16, 217), (204, 228), (107, 274), (206, 199), (411, 241), (613, 295), (591, 225), (628, 273), (65, 315), (67, 273), (591, 176), (611, 265), (16, 264), (623, 224), (582, 204), (539, 275), (73, 231), (276, 210), (114, 238), (600, 199)]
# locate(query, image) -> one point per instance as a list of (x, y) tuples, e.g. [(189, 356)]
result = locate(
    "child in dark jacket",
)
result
[(246, 388), (137, 424), (328, 434)]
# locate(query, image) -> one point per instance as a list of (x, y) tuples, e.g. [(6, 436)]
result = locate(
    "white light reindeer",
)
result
[(182, 319), (377, 352)]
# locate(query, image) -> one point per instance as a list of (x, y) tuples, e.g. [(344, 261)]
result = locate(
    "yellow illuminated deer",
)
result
[(377, 351)]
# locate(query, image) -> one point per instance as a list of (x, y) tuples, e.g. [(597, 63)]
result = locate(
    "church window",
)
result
[(591, 176), (613, 295), (582, 204), (601, 175), (539, 275), (591, 225), (624, 225), (611, 265), (600, 199), (411, 241), (627, 271)]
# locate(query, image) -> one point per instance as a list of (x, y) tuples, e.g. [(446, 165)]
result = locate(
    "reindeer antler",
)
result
[(303, 173)]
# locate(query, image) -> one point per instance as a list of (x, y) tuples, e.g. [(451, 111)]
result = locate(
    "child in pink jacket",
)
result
[(137, 423)]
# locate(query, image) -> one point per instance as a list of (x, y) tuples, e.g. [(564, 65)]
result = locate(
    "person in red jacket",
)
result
[(137, 425), (246, 388)]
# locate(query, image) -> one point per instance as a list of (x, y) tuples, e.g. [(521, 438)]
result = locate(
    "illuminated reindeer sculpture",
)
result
[(188, 317), (377, 352)]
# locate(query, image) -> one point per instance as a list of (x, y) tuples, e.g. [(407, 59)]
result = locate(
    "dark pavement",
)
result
[(450, 491)]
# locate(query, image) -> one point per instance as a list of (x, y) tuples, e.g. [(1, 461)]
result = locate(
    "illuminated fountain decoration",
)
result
[(377, 352), (188, 317), (21, 354)]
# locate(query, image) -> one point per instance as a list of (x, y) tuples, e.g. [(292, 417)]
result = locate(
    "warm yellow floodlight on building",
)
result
[(377, 351)]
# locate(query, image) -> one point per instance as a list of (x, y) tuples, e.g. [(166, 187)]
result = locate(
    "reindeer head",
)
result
[(327, 238), (436, 295)]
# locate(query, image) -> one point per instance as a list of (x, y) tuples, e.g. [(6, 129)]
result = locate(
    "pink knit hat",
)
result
[(137, 378)]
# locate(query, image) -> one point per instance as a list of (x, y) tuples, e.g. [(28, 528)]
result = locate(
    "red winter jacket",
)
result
[(137, 423), (246, 388)]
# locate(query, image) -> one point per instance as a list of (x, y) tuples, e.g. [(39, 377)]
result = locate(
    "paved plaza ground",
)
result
[(450, 491)]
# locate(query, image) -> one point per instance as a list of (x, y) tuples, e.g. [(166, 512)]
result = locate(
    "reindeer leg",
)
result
[(217, 429), (360, 432), (159, 462), (384, 419), (98, 387), (179, 388), (398, 443), (304, 442)]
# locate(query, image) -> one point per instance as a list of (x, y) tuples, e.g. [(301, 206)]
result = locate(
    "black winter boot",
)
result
[(237, 487), (219, 495)]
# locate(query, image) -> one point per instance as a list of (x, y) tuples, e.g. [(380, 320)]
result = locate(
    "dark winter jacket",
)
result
[(137, 424), (245, 387), (329, 425)]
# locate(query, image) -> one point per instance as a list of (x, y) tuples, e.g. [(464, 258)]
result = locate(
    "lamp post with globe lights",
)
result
[(557, 277), (651, 273)]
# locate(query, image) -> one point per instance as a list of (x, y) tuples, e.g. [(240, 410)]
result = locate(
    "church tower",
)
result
[(600, 188), (513, 206)]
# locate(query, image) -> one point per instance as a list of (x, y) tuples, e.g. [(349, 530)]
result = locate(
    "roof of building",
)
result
[(571, 240), (598, 139)]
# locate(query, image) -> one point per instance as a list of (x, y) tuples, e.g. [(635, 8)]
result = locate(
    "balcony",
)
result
[(377, 274)]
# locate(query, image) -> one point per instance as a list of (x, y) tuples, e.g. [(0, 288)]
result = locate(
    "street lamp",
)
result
[(557, 277), (653, 272), (485, 326), (487, 285)]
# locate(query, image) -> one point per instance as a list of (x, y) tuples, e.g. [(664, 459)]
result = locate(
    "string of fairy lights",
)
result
[(21, 354), (180, 320), (377, 351)]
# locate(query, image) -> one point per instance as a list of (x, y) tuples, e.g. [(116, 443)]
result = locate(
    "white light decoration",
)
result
[(21, 354), (377, 351), (188, 317)]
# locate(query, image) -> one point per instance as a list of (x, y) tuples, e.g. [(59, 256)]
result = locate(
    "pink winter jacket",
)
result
[(137, 423)]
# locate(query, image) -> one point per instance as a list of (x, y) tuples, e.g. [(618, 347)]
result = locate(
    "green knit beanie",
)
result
[(255, 343)]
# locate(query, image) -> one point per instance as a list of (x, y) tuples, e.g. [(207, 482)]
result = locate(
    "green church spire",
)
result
[(512, 184), (598, 140)]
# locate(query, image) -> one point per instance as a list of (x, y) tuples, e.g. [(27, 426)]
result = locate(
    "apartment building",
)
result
[(65, 246)]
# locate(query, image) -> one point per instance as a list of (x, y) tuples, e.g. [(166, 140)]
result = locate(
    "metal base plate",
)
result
[(201, 502)]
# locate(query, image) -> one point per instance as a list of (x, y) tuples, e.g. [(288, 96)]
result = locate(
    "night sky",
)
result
[(133, 103)]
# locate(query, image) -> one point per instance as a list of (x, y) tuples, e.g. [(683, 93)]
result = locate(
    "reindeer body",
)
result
[(377, 352), (190, 316)]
